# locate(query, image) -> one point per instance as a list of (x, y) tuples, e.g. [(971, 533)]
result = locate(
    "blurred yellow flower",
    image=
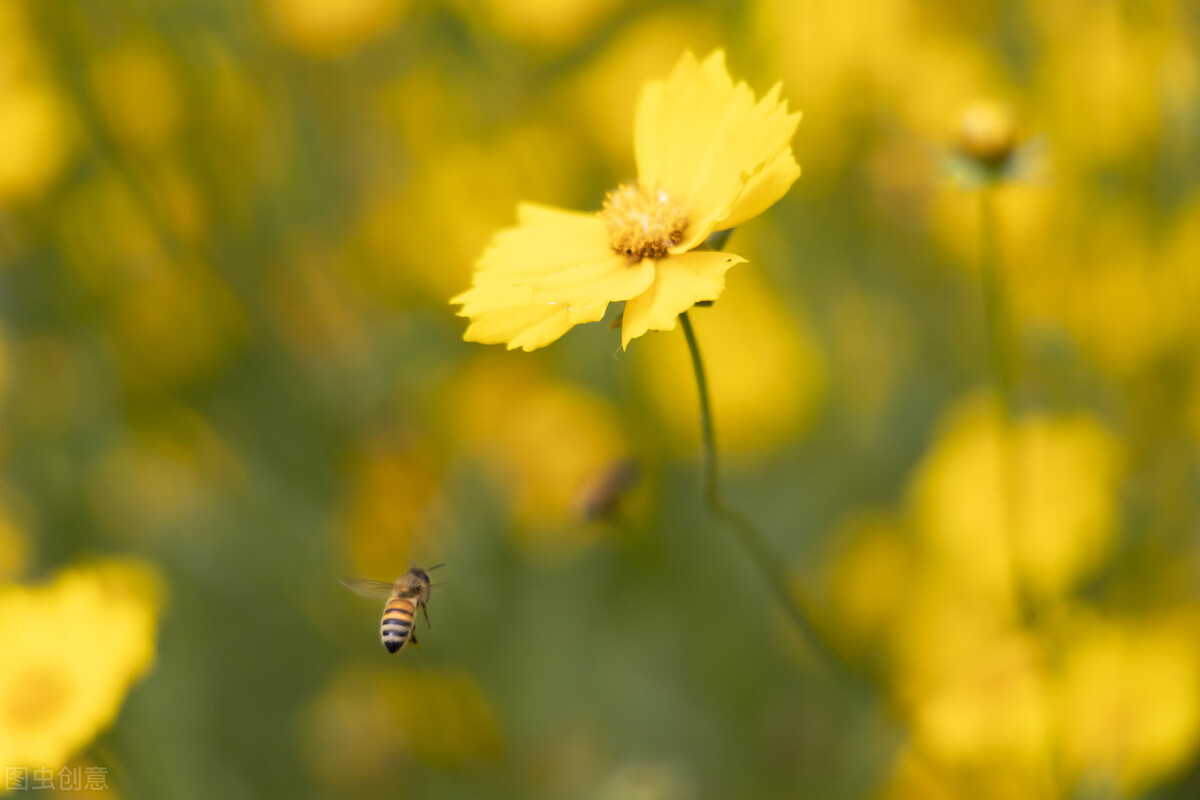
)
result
[(763, 403), (367, 724), (474, 178), (179, 325), (991, 708), (832, 56), (71, 650), (394, 478), (988, 130), (34, 139), (941, 625), (913, 779), (138, 95), (37, 129), (859, 69), (546, 441), (1133, 288), (550, 25), (709, 158), (331, 28), (167, 473), (1130, 702), (1058, 518), (1101, 84), (599, 97), (172, 317), (869, 577)]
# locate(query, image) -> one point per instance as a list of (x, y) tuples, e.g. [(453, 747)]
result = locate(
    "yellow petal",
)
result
[(679, 283), (552, 271), (528, 327), (777, 173), (711, 147)]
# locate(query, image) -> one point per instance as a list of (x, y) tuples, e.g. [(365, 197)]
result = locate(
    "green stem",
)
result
[(764, 557), (995, 306), (1004, 356), (1002, 347), (769, 563), (706, 419)]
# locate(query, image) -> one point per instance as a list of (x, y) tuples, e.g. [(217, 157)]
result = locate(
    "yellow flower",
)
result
[(988, 131), (1056, 519), (1128, 691), (331, 28), (545, 441), (368, 723), (71, 649), (709, 158)]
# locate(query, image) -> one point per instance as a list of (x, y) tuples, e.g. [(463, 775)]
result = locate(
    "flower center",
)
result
[(642, 222)]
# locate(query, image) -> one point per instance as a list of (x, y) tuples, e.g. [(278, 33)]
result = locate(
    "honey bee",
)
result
[(408, 593)]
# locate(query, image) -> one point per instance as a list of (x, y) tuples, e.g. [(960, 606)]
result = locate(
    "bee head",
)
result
[(417, 580)]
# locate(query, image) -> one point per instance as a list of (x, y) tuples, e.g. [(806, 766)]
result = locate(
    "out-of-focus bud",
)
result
[(987, 132), (601, 496)]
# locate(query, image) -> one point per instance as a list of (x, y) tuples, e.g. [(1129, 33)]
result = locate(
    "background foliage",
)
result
[(228, 233)]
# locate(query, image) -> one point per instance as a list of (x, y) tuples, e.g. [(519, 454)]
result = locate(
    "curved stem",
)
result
[(764, 557), (769, 564), (706, 419)]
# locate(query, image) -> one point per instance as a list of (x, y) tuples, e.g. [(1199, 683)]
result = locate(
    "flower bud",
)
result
[(987, 132)]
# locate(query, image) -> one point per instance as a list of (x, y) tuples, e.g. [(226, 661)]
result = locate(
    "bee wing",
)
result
[(368, 587)]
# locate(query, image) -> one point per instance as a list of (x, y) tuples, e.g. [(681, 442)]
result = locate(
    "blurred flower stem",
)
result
[(995, 305), (1003, 356), (764, 557)]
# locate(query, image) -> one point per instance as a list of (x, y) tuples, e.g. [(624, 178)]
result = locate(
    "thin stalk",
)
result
[(995, 306), (760, 552), (769, 564), (1004, 366), (1002, 349)]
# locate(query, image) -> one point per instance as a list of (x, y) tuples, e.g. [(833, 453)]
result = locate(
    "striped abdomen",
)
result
[(398, 620)]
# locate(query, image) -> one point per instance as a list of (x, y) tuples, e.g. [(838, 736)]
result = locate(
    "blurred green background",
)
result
[(228, 235)]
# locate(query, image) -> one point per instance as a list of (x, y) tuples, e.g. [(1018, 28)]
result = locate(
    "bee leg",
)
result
[(412, 639), (425, 611)]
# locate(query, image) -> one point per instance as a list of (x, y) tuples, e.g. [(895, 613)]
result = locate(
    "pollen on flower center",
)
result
[(643, 222)]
